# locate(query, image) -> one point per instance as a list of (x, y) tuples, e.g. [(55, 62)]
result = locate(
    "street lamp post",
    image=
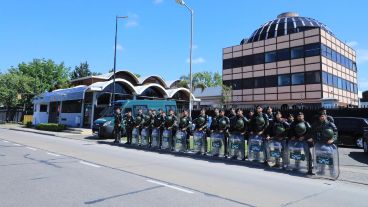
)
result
[(182, 3), (116, 39)]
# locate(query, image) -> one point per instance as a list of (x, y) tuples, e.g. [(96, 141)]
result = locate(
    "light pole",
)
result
[(116, 39), (182, 3)]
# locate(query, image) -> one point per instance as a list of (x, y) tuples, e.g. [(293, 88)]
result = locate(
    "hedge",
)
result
[(51, 127)]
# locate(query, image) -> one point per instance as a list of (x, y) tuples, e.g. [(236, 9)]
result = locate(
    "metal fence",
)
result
[(13, 115)]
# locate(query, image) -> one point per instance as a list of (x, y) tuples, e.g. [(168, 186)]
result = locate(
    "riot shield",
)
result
[(198, 142), (155, 136), (326, 161), (256, 149), (297, 156), (217, 147), (145, 137), (180, 141), (236, 146), (135, 136), (275, 153), (166, 139)]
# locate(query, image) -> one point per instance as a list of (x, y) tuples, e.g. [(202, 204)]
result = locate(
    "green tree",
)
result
[(82, 70), (226, 94), (46, 75), (15, 89), (202, 80)]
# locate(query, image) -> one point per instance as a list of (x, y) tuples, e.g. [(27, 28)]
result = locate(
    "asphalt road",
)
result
[(39, 170)]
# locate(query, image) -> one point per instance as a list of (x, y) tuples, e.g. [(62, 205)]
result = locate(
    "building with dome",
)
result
[(83, 103), (291, 61)]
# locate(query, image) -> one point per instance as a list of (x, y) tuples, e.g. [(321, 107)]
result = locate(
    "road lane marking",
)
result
[(16, 144), (170, 186), (5, 141), (53, 154), (31, 148), (89, 164)]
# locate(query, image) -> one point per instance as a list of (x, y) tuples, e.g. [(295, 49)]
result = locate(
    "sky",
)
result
[(154, 40)]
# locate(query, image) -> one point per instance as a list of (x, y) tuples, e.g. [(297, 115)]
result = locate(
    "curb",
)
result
[(35, 132)]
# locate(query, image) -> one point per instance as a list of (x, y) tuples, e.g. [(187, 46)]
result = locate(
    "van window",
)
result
[(168, 107), (137, 107)]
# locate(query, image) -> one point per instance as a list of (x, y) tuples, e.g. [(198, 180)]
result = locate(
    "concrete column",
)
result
[(94, 104)]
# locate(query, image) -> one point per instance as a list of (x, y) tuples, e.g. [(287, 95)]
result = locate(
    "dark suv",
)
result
[(352, 130)]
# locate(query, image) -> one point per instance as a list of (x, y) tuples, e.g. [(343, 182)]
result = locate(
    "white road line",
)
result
[(170, 186), (16, 144), (5, 141), (89, 164), (31, 148), (53, 154)]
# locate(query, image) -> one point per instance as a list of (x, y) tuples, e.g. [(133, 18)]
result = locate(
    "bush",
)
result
[(51, 127), (29, 124)]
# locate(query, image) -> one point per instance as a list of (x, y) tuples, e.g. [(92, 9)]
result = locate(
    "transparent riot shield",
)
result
[(145, 137), (166, 139), (256, 148), (198, 142), (275, 153), (217, 147), (155, 136), (135, 136), (180, 141), (326, 161), (297, 156), (236, 146)]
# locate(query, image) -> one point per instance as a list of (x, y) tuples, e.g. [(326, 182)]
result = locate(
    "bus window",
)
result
[(137, 107)]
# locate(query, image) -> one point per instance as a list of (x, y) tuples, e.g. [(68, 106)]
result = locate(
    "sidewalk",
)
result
[(353, 162)]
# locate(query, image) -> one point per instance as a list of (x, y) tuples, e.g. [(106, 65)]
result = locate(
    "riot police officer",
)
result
[(232, 113), (158, 122), (238, 124), (117, 125), (299, 130), (259, 122), (148, 120), (139, 120), (184, 125), (170, 123), (269, 114), (223, 126), (201, 125), (290, 119), (215, 119), (129, 125)]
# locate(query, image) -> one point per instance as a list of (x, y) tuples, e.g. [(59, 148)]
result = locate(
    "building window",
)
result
[(297, 78), (237, 62), (334, 81), (283, 54), (324, 78), (258, 59), (312, 50), (284, 80), (259, 82), (314, 77), (227, 63), (247, 83), (236, 84), (72, 106), (297, 52), (339, 82), (43, 108), (247, 60), (323, 50), (270, 57), (270, 81), (330, 79)]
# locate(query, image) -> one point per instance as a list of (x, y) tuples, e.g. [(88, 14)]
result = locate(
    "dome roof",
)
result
[(286, 23)]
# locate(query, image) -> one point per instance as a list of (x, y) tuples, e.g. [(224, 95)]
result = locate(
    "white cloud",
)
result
[(352, 43), (131, 23), (195, 46), (198, 60), (158, 1), (362, 56), (132, 20), (119, 47)]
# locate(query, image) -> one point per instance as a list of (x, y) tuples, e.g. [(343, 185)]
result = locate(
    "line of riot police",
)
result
[(289, 143)]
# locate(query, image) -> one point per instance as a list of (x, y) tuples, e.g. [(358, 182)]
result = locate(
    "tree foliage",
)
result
[(201, 80), (82, 70)]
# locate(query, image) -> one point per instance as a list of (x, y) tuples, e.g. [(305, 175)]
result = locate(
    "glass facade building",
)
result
[(289, 61)]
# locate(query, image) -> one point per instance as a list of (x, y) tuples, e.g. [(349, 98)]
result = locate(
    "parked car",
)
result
[(352, 131)]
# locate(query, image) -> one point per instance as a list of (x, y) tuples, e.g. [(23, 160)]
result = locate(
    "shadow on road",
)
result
[(226, 161), (359, 157)]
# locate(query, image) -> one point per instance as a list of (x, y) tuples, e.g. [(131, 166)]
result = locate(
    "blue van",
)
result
[(104, 126)]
